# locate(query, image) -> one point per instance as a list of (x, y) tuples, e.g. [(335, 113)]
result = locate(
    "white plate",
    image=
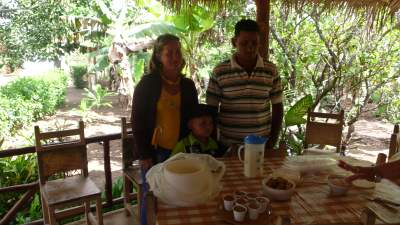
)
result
[(363, 184), (309, 163)]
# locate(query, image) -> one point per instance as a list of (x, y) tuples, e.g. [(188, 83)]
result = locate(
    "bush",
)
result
[(19, 170), (78, 72), (30, 98)]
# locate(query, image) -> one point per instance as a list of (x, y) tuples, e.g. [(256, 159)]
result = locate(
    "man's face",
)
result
[(246, 43)]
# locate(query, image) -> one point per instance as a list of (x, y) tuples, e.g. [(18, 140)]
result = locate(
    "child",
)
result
[(201, 124)]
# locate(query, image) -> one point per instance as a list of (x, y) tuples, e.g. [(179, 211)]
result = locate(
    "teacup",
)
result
[(240, 194), (264, 204), (229, 201), (251, 195), (254, 208), (241, 201), (239, 213)]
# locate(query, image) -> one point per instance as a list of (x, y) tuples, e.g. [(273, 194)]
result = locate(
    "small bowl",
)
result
[(276, 193), (338, 185)]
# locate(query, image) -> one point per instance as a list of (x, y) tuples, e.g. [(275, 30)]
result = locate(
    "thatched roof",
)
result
[(374, 10)]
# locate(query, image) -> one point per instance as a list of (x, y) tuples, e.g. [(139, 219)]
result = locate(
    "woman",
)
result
[(160, 103)]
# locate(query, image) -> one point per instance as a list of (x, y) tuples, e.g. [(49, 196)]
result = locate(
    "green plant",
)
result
[(84, 110), (30, 98), (117, 187), (13, 171), (295, 117), (96, 97), (78, 72)]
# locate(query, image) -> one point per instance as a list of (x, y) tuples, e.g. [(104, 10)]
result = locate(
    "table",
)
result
[(311, 204)]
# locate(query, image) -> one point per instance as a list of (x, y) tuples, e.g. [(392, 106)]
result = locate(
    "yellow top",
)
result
[(166, 133)]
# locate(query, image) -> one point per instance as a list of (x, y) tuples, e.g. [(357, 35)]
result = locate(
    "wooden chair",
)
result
[(55, 160), (151, 208), (131, 168), (320, 129), (394, 146)]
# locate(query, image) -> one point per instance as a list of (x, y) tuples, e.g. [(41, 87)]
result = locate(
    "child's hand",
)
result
[(146, 164)]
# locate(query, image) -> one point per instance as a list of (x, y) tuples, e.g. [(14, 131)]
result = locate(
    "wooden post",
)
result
[(263, 10), (107, 171)]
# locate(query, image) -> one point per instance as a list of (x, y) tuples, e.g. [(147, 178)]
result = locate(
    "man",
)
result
[(243, 89)]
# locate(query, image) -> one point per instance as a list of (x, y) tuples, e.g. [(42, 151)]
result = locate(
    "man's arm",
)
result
[(276, 96), (276, 123), (213, 97)]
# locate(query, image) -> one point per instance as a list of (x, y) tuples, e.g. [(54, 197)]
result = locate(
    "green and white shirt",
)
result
[(244, 100), (190, 144)]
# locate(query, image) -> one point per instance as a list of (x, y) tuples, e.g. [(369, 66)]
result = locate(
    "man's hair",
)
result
[(246, 25)]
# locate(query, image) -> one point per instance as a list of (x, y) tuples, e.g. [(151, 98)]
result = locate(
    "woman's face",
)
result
[(171, 56)]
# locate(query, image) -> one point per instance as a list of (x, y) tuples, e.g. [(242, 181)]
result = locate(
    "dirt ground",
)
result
[(370, 137)]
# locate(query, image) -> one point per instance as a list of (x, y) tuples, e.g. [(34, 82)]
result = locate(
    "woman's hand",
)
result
[(146, 164)]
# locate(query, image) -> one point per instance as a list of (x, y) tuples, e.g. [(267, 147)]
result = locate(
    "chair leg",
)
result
[(99, 211), (52, 216), (45, 210), (87, 211), (368, 217), (139, 199), (127, 199), (151, 208)]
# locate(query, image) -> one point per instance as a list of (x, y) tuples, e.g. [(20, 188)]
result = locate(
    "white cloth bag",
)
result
[(167, 193)]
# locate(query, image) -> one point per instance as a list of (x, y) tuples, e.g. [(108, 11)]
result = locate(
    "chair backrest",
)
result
[(63, 156), (128, 154), (394, 146), (324, 128)]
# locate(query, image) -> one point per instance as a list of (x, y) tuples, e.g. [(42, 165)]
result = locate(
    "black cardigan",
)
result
[(144, 107)]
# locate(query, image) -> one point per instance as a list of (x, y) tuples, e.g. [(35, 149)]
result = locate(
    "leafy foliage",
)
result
[(96, 97), (295, 115), (330, 56), (30, 98), (17, 170), (78, 72), (33, 31)]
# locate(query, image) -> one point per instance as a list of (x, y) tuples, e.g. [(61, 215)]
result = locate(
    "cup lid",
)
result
[(254, 139)]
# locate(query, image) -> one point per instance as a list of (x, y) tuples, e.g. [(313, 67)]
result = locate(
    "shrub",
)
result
[(30, 98), (78, 72), (18, 170)]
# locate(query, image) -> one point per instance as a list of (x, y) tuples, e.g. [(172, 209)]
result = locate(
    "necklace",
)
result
[(171, 82)]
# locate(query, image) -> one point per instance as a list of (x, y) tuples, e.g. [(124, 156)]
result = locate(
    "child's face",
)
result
[(201, 126)]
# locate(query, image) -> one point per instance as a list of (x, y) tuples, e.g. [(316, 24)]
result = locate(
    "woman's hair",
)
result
[(155, 65)]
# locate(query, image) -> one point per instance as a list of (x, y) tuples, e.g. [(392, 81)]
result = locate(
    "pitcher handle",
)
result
[(239, 151)]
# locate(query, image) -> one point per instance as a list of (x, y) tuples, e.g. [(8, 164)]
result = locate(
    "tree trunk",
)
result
[(263, 10)]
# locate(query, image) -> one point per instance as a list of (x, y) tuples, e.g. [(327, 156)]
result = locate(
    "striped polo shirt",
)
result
[(244, 100)]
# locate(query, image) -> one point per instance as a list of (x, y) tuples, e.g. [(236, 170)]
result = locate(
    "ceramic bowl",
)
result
[(187, 175), (338, 185), (275, 192)]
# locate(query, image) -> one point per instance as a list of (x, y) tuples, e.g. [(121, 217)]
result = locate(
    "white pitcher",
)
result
[(253, 155)]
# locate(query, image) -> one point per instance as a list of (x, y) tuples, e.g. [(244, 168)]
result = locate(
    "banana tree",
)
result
[(193, 22), (189, 25)]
